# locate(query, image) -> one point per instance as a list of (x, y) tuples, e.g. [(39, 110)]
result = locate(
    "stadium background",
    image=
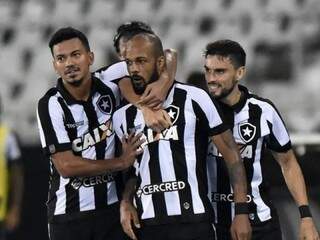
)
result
[(281, 38)]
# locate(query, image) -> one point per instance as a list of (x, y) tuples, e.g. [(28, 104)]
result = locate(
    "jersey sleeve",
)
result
[(209, 113), (111, 75), (53, 135), (278, 140)]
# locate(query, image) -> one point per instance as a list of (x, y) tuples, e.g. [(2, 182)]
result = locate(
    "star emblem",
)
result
[(104, 104), (171, 113), (247, 131)]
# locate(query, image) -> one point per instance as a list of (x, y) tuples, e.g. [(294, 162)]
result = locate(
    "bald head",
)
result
[(150, 40)]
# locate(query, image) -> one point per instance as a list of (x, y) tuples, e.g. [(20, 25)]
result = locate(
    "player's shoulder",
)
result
[(192, 91), (266, 104), (51, 93), (113, 71)]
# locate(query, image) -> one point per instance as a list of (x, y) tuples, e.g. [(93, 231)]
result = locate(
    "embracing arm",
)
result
[(70, 165), (295, 181)]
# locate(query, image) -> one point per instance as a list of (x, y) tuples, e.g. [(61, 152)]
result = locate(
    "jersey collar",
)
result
[(243, 99)]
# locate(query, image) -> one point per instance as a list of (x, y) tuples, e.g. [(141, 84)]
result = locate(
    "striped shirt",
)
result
[(256, 125), (171, 172), (85, 127)]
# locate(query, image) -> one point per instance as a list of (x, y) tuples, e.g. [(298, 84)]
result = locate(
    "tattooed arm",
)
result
[(240, 228)]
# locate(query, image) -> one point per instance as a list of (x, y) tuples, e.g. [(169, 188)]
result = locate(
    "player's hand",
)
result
[(129, 216), (308, 230), (12, 219), (154, 95), (241, 228), (157, 120), (131, 148)]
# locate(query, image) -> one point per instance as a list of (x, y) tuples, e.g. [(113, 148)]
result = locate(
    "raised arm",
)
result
[(295, 181), (226, 145)]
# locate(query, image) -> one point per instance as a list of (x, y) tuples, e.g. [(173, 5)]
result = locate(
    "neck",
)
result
[(233, 97), (82, 92)]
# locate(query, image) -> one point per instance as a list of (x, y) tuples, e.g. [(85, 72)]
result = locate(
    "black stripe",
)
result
[(72, 195), (224, 215), (179, 154), (54, 182), (100, 190), (131, 114), (201, 149)]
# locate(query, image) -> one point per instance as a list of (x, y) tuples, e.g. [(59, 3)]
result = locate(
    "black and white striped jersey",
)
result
[(256, 125), (85, 127), (171, 172)]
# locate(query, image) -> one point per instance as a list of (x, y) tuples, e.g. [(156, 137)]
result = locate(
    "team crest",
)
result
[(104, 104), (173, 112), (247, 131)]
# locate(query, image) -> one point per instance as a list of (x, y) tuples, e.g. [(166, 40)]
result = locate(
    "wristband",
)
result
[(304, 211), (241, 208)]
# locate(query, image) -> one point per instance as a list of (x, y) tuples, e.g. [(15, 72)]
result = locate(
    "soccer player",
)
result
[(257, 125), (11, 181), (76, 133), (168, 181)]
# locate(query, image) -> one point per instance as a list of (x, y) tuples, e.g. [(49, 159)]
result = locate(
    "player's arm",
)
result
[(295, 181), (226, 145), (70, 165), (128, 213)]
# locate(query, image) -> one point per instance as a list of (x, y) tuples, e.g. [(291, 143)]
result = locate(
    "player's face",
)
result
[(221, 76), (141, 62), (72, 61)]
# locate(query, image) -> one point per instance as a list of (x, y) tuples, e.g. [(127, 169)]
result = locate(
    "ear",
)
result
[(241, 71), (55, 66), (161, 63), (91, 58)]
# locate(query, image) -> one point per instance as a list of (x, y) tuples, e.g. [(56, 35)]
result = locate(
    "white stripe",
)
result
[(86, 198), (56, 115), (61, 197), (41, 133), (112, 192), (263, 211), (167, 174), (191, 158), (146, 200)]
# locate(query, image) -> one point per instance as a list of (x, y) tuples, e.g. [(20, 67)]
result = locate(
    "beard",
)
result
[(76, 82), (139, 83), (225, 92)]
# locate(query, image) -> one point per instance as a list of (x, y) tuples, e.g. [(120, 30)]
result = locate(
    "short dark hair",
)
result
[(68, 33), (227, 48), (128, 30)]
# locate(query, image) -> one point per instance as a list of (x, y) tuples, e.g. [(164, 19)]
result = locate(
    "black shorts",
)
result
[(177, 231), (98, 226), (268, 230)]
